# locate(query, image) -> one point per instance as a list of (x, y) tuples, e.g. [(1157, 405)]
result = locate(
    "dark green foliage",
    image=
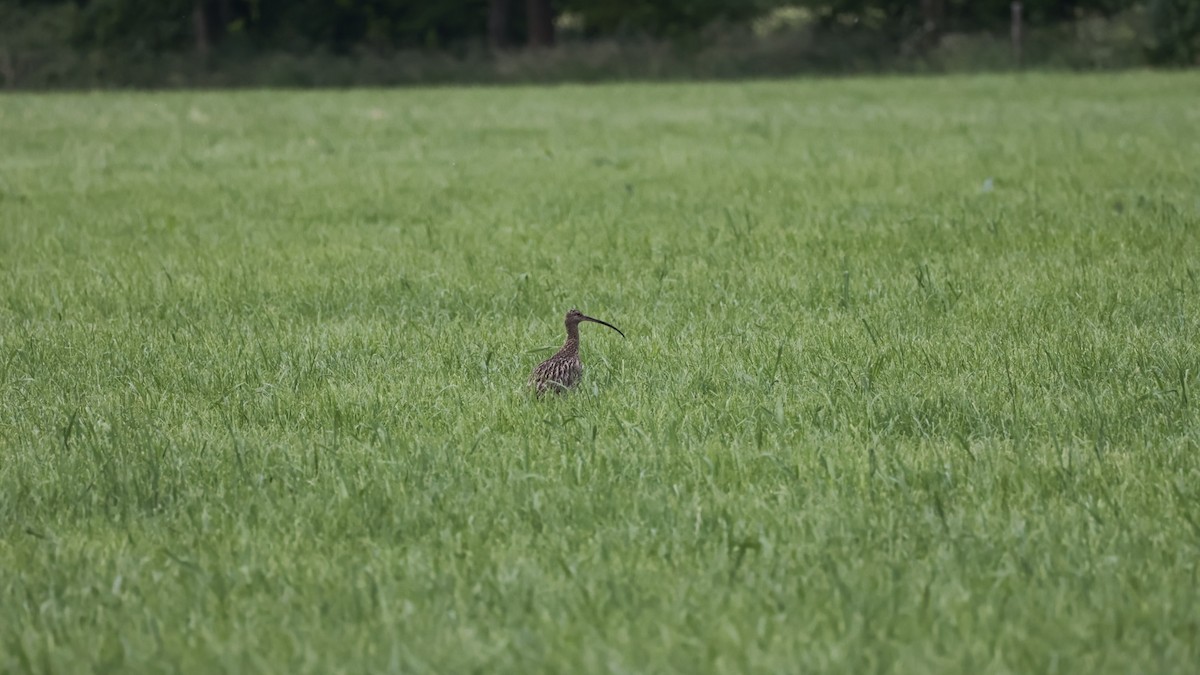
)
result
[(899, 19), (664, 18), (343, 25), (140, 27), (1176, 28)]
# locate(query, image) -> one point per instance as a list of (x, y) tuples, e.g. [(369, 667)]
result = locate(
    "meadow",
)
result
[(910, 382)]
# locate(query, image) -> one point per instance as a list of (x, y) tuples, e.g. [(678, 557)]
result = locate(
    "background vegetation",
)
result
[(910, 384), (98, 43)]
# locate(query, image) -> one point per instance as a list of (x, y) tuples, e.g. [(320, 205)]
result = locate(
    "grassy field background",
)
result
[(910, 384)]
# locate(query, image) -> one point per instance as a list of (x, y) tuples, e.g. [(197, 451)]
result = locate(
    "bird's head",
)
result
[(574, 316)]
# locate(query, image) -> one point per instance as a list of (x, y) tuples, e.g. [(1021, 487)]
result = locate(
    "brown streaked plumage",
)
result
[(562, 371)]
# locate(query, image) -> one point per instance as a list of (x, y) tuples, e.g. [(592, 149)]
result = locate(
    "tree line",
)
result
[(35, 34), (342, 25)]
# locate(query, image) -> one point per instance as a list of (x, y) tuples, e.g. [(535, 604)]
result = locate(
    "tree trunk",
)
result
[(1015, 31), (541, 23), (8, 69), (933, 13), (498, 24), (200, 23)]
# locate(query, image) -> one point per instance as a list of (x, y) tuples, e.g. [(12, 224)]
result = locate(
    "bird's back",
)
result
[(557, 373)]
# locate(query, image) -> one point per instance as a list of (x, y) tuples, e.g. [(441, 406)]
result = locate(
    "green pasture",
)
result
[(911, 380)]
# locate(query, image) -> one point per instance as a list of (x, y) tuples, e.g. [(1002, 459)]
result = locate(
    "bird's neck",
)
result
[(570, 347)]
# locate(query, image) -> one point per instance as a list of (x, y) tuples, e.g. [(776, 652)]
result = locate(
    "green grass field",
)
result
[(910, 384)]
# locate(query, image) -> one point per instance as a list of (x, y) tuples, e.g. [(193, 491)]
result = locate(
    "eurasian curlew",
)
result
[(562, 371)]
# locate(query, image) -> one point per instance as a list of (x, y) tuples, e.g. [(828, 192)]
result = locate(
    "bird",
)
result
[(561, 372)]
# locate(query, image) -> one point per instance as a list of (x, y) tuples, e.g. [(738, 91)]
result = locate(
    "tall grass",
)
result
[(910, 384)]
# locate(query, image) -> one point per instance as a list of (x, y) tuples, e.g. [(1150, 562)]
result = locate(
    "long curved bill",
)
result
[(603, 323)]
